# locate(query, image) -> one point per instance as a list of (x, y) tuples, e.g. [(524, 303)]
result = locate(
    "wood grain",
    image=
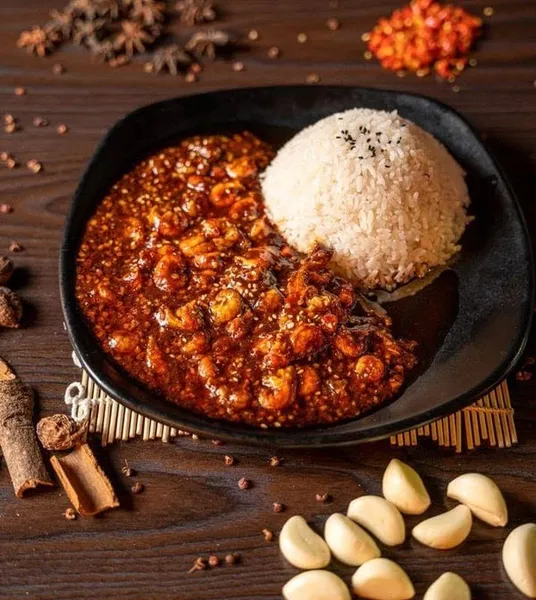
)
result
[(192, 505)]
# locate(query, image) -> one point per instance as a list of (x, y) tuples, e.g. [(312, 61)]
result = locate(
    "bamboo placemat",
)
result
[(489, 421)]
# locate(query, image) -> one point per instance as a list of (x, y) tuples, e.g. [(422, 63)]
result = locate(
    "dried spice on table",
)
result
[(193, 12), (10, 309), (60, 432), (148, 12), (39, 40), (208, 43), (133, 37), (171, 58), (6, 269), (17, 436)]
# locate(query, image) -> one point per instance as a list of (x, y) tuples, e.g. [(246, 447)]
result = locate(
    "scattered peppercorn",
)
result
[(278, 507), (268, 535), (11, 163), (190, 77), (40, 122), (8, 119), (214, 561), (20, 91), (323, 497), (119, 61), (70, 514), (238, 66), (34, 165), (312, 78), (302, 38), (15, 247), (58, 69), (274, 52), (196, 68), (200, 564), (333, 24), (5, 209), (137, 488), (244, 484), (217, 442), (232, 559), (253, 35), (456, 88), (523, 375), (229, 460), (488, 11), (275, 461), (195, 437), (11, 128), (127, 470), (62, 129)]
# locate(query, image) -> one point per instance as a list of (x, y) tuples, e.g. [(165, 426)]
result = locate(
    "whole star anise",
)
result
[(133, 37), (102, 50), (148, 12), (39, 40), (206, 43), (82, 8), (195, 11), (87, 32), (170, 57), (61, 21)]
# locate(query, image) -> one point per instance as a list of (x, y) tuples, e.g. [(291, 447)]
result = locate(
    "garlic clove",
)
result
[(482, 495), (445, 531), (449, 586), (348, 542), (382, 579), (301, 546), (380, 517), (519, 558), (316, 585), (403, 486)]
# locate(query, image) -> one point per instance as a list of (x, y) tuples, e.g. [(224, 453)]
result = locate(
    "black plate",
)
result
[(472, 322)]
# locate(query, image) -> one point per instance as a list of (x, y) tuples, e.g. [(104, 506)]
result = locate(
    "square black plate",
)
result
[(472, 322)]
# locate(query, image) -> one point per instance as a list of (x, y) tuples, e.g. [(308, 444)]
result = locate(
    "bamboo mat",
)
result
[(490, 421)]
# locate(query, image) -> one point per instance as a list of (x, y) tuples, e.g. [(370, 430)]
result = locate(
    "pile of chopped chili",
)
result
[(425, 35)]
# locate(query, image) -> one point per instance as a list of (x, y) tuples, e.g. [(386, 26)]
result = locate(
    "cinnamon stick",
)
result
[(85, 484), (17, 435)]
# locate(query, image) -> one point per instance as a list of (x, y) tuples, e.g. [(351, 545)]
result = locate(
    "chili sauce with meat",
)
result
[(189, 288)]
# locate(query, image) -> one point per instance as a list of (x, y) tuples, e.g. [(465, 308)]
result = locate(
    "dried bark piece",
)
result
[(60, 432), (10, 308), (6, 269), (17, 436), (84, 482)]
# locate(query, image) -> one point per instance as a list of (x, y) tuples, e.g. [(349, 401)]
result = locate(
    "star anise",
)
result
[(169, 58), (87, 32), (148, 12), (39, 40), (133, 37), (206, 43), (195, 11), (62, 22), (82, 8), (103, 50)]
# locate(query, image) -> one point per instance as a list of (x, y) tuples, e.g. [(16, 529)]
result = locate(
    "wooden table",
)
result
[(192, 505)]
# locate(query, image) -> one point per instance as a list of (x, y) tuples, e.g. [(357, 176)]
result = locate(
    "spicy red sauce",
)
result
[(188, 287)]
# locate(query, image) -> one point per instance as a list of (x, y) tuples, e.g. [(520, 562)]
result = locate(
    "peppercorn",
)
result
[(278, 507), (244, 484)]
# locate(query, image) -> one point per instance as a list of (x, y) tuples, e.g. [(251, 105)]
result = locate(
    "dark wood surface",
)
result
[(191, 504)]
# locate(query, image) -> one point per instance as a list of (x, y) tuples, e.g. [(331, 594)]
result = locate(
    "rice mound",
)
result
[(384, 194)]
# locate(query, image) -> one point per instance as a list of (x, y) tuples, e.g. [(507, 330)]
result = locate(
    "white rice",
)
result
[(388, 217)]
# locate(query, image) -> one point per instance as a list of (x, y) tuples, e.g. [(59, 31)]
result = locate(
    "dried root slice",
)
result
[(449, 586), (404, 487), (519, 558), (446, 530), (348, 542), (482, 495), (380, 517), (301, 546), (316, 585), (382, 579), (85, 483)]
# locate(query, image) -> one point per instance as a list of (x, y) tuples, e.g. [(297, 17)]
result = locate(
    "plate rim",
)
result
[(239, 433)]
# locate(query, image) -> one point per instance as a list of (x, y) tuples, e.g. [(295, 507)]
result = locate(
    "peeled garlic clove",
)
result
[(382, 579), (403, 487), (380, 517), (449, 586), (482, 496), (519, 558), (301, 546), (316, 585), (446, 530), (348, 542)]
